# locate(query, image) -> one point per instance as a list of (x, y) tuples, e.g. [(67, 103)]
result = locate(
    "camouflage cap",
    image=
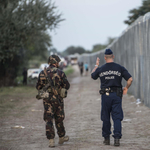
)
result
[(53, 59)]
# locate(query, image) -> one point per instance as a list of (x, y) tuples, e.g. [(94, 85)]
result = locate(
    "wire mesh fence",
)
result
[(132, 50)]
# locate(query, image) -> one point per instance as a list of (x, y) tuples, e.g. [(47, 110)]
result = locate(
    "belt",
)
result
[(108, 90)]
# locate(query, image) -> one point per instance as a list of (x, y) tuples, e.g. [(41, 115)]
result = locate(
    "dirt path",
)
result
[(82, 122)]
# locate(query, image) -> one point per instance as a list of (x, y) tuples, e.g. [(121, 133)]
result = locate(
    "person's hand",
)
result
[(125, 90), (97, 61)]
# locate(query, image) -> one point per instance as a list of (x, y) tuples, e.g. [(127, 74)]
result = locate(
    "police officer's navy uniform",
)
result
[(111, 75)]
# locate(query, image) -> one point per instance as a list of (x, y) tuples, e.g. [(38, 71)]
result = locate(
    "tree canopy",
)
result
[(98, 47), (72, 50), (23, 26), (24, 22), (137, 12), (80, 50)]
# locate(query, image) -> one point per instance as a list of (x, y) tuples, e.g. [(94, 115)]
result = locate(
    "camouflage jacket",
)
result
[(56, 75)]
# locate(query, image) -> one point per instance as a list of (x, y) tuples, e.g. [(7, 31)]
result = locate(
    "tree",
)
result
[(38, 45), (98, 47), (137, 12), (23, 25), (20, 21), (110, 40), (72, 50)]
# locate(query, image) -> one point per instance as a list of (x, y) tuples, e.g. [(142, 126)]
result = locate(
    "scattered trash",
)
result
[(12, 100), (138, 101), (126, 120), (35, 110), (18, 127), (138, 111)]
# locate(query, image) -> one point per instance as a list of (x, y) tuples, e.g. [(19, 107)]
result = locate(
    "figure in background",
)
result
[(24, 73), (86, 68), (81, 68)]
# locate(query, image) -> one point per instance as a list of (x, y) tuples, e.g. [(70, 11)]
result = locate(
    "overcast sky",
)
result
[(90, 22)]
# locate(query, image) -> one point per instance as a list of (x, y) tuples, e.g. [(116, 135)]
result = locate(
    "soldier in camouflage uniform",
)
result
[(54, 106)]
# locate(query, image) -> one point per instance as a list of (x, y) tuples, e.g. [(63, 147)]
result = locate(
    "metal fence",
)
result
[(132, 50)]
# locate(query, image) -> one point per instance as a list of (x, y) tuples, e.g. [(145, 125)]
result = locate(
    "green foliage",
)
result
[(23, 25), (99, 47), (19, 80), (72, 50), (36, 61), (37, 45), (110, 40), (137, 12), (69, 70), (80, 50)]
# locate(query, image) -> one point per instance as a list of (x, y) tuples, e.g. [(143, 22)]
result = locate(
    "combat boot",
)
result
[(63, 139), (107, 141), (116, 142), (51, 143)]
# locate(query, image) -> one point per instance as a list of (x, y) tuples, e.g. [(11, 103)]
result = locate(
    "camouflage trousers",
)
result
[(54, 111)]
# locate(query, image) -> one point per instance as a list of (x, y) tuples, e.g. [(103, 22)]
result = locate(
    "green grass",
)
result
[(69, 70), (30, 81), (18, 90), (16, 100)]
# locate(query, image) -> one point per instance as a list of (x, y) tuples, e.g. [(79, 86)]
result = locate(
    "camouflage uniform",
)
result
[(53, 106)]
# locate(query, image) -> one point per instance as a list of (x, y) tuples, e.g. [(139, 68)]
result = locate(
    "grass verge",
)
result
[(16, 100), (69, 70)]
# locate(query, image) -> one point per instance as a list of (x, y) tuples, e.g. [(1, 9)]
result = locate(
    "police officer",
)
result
[(111, 75), (54, 106)]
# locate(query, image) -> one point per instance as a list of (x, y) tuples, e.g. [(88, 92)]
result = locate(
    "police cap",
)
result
[(53, 59), (108, 52)]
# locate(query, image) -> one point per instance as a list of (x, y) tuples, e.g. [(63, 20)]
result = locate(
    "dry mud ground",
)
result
[(82, 122)]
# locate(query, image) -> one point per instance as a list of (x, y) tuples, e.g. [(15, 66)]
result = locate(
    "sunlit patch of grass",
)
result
[(69, 70)]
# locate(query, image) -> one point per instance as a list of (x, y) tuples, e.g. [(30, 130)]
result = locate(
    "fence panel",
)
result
[(132, 50)]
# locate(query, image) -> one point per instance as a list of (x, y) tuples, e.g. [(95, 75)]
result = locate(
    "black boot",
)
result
[(107, 141), (116, 142)]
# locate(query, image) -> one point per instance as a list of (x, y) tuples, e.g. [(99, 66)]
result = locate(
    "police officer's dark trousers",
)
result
[(111, 105)]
